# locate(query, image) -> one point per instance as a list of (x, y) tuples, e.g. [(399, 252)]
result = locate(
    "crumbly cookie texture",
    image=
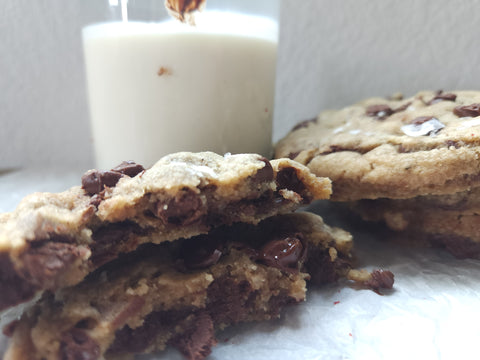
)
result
[(180, 293), (55, 240), (394, 148)]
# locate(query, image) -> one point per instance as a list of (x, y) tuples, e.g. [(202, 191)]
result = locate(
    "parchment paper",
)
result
[(432, 313)]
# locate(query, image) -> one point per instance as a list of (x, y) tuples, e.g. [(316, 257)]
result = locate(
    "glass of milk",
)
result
[(157, 86)]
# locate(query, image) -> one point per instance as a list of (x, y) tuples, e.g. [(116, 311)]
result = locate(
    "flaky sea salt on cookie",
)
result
[(54, 240)]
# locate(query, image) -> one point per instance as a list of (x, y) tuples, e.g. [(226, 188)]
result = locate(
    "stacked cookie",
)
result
[(413, 163), (135, 260)]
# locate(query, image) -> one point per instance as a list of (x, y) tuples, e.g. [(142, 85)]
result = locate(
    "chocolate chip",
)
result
[(110, 178), (201, 252), (94, 181), (264, 174), (184, 209), (421, 119), (75, 344), (91, 182), (304, 124), (402, 107), (440, 96), (472, 110), (380, 279), (282, 254), (380, 111), (128, 168)]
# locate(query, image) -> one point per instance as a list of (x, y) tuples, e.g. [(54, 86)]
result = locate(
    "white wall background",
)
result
[(332, 53)]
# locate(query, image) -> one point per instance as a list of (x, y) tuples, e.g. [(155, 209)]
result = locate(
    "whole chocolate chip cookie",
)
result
[(393, 148), (180, 293), (54, 240)]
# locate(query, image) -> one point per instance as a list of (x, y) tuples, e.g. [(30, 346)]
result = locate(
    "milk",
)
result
[(155, 89)]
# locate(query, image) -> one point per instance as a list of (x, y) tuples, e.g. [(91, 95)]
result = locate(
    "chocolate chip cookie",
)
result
[(181, 293), (411, 163), (54, 240), (393, 148)]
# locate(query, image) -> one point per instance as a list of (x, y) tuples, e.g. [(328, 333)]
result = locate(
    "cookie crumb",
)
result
[(375, 280)]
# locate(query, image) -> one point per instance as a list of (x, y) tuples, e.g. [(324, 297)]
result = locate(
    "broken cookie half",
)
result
[(54, 240), (180, 293)]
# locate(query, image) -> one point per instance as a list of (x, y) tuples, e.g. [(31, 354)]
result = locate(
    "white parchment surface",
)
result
[(432, 312)]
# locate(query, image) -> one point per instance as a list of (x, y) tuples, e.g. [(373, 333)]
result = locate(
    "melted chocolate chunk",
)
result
[(197, 342), (321, 268), (282, 254), (287, 179), (440, 96), (45, 260), (14, 289), (472, 110), (185, 209), (128, 168), (265, 174), (42, 263), (380, 279), (380, 111), (77, 345), (201, 252), (304, 124)]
